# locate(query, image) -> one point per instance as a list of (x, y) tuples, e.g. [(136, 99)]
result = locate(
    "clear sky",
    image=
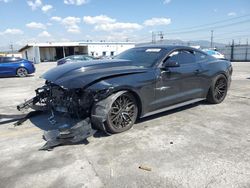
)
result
[(25, 21)]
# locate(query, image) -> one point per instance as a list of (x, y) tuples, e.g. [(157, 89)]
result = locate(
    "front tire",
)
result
[(22, 72), (218, 90), (122, 113)]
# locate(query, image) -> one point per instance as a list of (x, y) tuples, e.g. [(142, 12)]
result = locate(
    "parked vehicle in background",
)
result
[(13, 66), (74, 58), (214, 53)]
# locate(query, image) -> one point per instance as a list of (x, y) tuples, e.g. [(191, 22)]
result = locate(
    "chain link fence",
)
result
[(236, 52)]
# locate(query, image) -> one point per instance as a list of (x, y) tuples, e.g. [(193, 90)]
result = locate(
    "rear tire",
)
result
[(218, 90), (22, 72), (122, 113)]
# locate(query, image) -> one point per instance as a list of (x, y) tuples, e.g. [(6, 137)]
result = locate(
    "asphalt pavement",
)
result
[(199, 145)]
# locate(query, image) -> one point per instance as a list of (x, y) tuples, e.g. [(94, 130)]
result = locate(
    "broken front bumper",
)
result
[(69, 114), (65, 130), (68, 134)]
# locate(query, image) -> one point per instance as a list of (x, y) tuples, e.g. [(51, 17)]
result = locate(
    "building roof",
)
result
[(61, 44)]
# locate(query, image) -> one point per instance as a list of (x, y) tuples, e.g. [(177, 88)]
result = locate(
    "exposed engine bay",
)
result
[(71, 102), (68, 108)]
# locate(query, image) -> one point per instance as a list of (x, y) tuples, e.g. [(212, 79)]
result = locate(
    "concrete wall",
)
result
[(47, 54), (32, 54)]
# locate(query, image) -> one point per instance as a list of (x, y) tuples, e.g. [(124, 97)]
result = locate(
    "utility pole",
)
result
[(12, 49), (246, 49), (232, 51), (212, 38), (161, 35), (153, 37)]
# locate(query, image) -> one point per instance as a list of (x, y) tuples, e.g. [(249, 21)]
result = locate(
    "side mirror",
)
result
[(168, 64)]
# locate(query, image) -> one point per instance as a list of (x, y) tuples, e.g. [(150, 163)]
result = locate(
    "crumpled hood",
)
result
[(82, 74)]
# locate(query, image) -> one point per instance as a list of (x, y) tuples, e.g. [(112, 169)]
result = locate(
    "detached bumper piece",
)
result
[(67, 134)]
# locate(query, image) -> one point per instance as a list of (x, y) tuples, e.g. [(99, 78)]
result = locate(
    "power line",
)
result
[(205, 29), (212, 23), (217, 38), (211, 27), (231, 32), (237, 36)]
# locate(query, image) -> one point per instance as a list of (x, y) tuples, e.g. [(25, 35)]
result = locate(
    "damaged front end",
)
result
[(74, 103), (70, 113), (78, 96)]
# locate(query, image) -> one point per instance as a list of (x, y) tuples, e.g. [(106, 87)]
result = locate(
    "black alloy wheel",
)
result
[(218, 90), (122, 114)]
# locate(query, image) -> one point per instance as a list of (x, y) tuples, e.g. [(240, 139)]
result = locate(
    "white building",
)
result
[(52, 51)]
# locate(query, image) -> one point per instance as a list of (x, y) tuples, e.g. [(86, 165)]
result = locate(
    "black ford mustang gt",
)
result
[(139, 82)]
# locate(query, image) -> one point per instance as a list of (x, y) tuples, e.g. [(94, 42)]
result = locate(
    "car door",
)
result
[(1, 66), (5, 67), (178, 84), (203, 60)]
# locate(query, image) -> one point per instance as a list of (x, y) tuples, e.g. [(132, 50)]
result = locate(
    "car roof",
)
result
[(77, 55), (167, 47)]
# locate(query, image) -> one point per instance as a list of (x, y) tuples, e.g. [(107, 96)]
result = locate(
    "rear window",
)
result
[(200, 57)]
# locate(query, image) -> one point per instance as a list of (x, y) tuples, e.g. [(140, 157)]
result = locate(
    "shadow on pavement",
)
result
[(15, 77)]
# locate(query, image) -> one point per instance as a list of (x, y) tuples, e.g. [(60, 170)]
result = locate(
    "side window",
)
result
[(182, 57), (200, 57), (9, 59), (6, 59)]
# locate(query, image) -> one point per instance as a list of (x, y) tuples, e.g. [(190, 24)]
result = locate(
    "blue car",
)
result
[(12, 66), (74, 58), (214, 53)]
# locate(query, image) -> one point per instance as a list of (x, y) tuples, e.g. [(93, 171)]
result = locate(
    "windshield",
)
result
[(145, 57)]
